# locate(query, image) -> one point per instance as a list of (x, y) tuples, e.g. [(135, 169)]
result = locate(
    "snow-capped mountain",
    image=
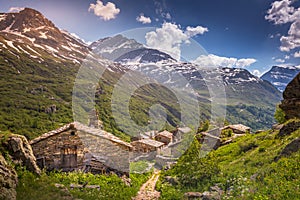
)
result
[(280, 76), (113, 47), (144, 55), (163, 68), (29, 32), (123, 50)]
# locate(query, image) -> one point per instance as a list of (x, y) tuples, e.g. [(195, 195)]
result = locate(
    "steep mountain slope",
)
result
[(31, 33), (36, 60), (280, 76)]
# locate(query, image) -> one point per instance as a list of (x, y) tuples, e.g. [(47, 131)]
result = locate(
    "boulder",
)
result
[(192, 195), (171, 180), (292, 147), (8, 180), (291, 99), (21, 152), (288, 128)]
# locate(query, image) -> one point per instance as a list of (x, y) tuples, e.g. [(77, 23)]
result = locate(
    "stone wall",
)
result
[(111, 154), (8, 180), (56, 151)]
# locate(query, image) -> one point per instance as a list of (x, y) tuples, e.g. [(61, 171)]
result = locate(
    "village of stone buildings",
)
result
[(91, 149)]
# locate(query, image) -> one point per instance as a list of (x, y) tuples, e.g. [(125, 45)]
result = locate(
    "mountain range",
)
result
[(280, 76), (39, 63)]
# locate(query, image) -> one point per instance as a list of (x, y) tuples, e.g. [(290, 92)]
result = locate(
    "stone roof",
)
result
[(166, 134), (152, 133), (184, 129), (239, 127), (149, 142), (210, 135), (84, 128), (52, 133)]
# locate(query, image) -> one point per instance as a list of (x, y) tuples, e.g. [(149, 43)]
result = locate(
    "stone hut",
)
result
[(165, 137), (179, 132), (237, 128), (147, 145), (79, 147), (210, 139)]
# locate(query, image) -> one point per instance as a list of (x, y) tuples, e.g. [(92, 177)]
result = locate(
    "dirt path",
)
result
[(147, 191)]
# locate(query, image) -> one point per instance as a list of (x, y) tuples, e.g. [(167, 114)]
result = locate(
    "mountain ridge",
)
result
[(280, 76)]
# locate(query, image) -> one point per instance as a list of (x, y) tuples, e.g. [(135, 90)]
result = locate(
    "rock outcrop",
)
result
[(289, 128), (291, 99), (21, 152), (214, 193), (8, 180), (291, 148)]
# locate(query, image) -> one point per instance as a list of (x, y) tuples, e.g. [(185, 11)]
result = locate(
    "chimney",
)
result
[(93, 119)]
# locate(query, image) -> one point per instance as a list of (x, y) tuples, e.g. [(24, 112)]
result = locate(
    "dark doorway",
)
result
[(69, 158)]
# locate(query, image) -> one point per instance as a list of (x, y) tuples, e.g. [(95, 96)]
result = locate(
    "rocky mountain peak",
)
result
[(31, 32)]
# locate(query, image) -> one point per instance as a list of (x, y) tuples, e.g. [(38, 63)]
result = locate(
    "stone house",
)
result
[(147, 145), (165, 137), (237, 128), (179, 132), (210, 139), (79, 147)]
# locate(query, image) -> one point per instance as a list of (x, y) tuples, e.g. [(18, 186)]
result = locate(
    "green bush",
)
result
[(279, 115)]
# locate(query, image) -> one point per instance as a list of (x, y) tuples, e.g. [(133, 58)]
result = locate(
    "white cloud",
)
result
[(297, 54), (286, 57), (280, 60), (256, 72), (170, 36), (282, 12), (15, 9), (192, 31), (105, 12), (292, 40), (212, 60), (244, 62), (143, 19)]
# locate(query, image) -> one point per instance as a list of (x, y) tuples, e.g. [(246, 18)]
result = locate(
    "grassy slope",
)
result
[(246, 167), (43, 187)]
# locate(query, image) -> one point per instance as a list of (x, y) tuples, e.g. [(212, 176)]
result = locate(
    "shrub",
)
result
[(279, 115)]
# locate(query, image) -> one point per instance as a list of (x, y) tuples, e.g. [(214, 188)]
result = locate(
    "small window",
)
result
[(73, 133)]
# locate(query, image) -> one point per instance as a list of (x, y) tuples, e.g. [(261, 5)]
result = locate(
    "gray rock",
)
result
[(213, 195), (287, 129), (292, 147), (192, 195), (171, 180), (8, 181), (21, 152)]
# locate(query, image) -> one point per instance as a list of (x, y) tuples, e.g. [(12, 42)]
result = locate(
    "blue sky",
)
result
[(254, 34)]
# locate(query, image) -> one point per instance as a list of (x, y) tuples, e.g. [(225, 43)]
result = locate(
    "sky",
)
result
[(252, 34)]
